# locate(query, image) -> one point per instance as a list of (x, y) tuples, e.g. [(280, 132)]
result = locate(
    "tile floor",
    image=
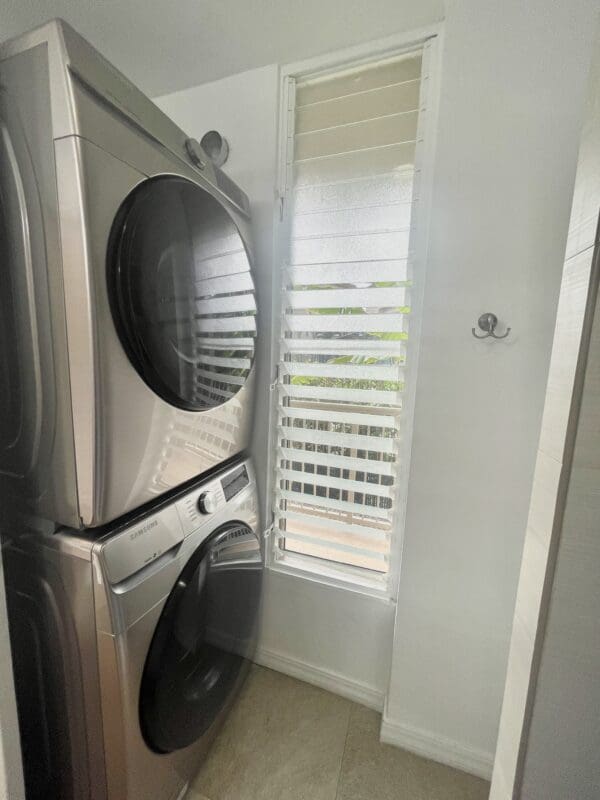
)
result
[(287, 740)]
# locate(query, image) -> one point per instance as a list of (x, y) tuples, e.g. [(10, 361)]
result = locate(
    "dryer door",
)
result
[(181, 293), (203, 639)]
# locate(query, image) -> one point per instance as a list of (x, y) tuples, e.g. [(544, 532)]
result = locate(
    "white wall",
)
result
[(514, 78), (549, 737), (512, 91)]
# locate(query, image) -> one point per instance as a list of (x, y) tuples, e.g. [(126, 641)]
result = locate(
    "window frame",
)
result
[(430, 40)]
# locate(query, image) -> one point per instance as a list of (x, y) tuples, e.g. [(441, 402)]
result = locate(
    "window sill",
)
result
[(332, 577)]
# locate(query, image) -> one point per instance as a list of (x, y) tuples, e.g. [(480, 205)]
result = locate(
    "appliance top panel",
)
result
[(207, 505), (74, 65)]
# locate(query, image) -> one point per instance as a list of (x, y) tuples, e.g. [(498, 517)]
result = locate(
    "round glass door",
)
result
[(203, 640), (181, 293)]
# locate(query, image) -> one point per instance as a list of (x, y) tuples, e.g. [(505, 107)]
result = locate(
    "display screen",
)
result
[(235, 482)]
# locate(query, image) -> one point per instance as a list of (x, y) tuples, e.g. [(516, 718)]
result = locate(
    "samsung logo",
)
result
[(144, 529)]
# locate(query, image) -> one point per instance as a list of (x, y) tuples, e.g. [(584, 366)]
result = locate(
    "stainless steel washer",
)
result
[(130, 643), (127, 312)]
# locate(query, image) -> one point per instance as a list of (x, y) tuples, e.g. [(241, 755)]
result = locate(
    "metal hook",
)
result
[(487, 322)]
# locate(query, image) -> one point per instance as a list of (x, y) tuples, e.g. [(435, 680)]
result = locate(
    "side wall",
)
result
[(513, 85), (549, 738), (507, 139), (11, 774)]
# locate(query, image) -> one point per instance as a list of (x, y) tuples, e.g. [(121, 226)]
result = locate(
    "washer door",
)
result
[(203, 639), (181, 293)]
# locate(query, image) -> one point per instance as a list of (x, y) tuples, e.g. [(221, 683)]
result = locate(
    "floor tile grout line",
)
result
[(339, 780)]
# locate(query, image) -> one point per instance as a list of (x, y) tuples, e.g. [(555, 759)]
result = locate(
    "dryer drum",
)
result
[(181, 293), (203, 640)]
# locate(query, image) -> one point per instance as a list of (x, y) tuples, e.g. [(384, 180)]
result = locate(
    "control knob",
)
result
[(207, 502)]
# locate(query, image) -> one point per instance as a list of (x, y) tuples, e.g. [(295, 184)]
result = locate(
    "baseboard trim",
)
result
[(437, 748), (423, 743), (323, 678)]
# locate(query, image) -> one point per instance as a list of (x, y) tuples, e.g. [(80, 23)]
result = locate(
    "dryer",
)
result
[(128, 307), (130, 643)]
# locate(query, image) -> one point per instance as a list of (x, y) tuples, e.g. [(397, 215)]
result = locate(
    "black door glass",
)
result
[(181, 293), (203, 640)]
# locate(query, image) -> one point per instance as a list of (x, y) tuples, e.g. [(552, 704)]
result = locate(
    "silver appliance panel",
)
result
[(75, 67), (102, 443), (131, 445), (126, 617), (95, 628)]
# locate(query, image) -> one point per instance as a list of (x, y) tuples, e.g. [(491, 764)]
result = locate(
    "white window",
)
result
[(350, 172)]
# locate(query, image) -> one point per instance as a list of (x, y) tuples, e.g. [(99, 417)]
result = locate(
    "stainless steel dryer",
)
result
[(129, 644), (127, 311)]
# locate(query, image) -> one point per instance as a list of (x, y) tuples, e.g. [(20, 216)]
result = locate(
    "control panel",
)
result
[(198, 506), (143, 542), (235, 481)]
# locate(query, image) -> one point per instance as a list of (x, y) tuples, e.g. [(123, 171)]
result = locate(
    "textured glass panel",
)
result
[(370, 191), (376, 104), (379, 245), (352, 272), (359, 80), (356, 220), (350, 166)]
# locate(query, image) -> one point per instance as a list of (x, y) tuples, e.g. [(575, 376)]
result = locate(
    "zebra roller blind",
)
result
[(346, 302)]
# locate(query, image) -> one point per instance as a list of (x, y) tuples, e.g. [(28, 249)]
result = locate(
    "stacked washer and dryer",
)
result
[(129, 510)]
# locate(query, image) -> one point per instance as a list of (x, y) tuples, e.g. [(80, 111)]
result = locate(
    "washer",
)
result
[(130, 644), (128, 318)]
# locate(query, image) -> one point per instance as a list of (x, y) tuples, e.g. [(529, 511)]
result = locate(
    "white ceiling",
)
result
[(163, 46)]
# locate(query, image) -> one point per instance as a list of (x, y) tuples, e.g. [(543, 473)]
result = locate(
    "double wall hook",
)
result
[(487, 322)]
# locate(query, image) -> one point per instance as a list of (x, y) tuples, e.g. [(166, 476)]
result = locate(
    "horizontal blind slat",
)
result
[(392, 72), (350, 418), (227, 305), (359, 164), (219, 343), (233, 324), (375, 103), (393, 271), (364, 220), (370, 348), (225, 284), (356, 323), (225, 361), (393, 187), (371, 297), (331, 524), (231, 263), (360, 487), (350, 441), (218, 377), (350, 136), (376, 372), (371, 465), (344, 547), (207, 391), (350, 247), (344, 395), (347, 506)]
